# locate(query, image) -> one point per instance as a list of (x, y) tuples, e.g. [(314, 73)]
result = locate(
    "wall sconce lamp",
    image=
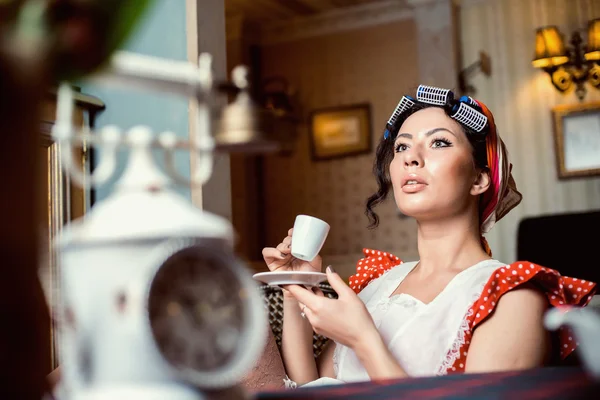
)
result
[(569, 65), (483, 65)]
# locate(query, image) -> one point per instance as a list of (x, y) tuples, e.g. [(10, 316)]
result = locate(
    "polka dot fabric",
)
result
[(561, 291), (372, 266)]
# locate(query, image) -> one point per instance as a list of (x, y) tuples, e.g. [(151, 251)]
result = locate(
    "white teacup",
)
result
[(308, 237)]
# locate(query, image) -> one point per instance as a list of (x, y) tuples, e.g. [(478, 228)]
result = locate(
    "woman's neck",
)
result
[(451, 243)]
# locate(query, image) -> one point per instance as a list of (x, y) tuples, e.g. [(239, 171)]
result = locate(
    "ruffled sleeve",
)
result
[(374, 264), (560, 291)]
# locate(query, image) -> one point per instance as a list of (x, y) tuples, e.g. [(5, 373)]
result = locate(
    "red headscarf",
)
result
[(502, 195)]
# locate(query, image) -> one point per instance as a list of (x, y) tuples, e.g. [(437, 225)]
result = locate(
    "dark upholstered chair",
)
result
[(273, 298), (564, 242)]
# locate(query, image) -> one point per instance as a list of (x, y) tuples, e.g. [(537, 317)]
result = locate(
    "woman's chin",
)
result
[(422, 211), (413, 212), (415, 208)]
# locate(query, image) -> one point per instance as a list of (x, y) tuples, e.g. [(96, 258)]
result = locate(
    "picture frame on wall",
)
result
[(342, 131), (577, 140)]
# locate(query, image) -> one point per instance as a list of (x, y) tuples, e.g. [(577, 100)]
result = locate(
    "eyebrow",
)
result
[(427, 134)]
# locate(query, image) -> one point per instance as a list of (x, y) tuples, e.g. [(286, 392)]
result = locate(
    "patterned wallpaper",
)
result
[(374, 65), (377, 65)]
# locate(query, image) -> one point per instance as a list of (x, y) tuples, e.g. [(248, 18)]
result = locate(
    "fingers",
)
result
[(285, 245), (274, 259), (280, 253), (270, 254), (287, 240), (336, 282), (284, 248), (308, 314), (305, 296), (318, 292)]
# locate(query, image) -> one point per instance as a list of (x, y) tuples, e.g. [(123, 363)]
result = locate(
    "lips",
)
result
[(413, 183), (413, 179)]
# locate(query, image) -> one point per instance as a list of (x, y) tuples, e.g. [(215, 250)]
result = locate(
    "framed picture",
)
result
[(577, 140), (340, 131)]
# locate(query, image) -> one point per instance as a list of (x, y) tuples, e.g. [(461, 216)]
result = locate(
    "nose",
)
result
[(412, 158)]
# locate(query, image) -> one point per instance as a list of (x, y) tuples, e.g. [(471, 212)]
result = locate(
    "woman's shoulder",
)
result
[(521, 285), (500, 278), (558, 290)]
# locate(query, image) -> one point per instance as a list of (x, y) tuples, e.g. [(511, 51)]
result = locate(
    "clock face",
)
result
[(196, 308)]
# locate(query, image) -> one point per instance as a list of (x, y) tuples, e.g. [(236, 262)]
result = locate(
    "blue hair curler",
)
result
[(404, 104), (469, 116), (465, 110), (469, 100), (434, 95)]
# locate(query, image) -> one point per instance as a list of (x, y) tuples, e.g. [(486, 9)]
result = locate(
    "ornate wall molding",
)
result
[(469, 3), (459, 3), (416, 3), (350, 18)]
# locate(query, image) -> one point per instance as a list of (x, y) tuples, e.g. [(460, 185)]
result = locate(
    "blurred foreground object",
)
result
[(25, 337), (72, 38), (41, 42), (188, 291), (154, 303), (585, 324)]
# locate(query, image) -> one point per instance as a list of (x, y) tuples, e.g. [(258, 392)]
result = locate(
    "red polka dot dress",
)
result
[(496, 281), (375, 264)]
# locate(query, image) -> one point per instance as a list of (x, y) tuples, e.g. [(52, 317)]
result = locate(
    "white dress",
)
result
[(424, 338)]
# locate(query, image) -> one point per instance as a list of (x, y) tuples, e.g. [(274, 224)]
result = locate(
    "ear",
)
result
[(482, 182)]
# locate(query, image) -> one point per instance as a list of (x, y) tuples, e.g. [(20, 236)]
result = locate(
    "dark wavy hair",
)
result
[(385, 154)]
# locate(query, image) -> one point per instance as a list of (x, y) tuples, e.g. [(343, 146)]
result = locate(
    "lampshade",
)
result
[(594, 74), (245, 127), (549, 48), (593, 47)]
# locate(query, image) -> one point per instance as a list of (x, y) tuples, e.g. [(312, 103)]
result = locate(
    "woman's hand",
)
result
[(348, 322), (280, 258), (345, 320)]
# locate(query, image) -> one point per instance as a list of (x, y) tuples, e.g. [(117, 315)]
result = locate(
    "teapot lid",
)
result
[(144, 206)]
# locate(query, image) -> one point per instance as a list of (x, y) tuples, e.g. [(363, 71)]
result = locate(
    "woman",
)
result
[(456, 309)]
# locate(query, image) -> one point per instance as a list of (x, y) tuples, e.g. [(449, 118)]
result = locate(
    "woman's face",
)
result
[(433, 172)]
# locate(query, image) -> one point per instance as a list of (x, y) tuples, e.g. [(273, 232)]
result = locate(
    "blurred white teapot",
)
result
[(585, 323)]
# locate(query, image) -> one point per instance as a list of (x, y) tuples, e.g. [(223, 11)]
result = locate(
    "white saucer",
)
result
[(280, 278)]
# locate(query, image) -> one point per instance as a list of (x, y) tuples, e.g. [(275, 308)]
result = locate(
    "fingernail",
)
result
[(330, 269)]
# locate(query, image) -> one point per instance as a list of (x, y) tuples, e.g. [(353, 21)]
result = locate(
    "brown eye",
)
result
[(440, 143), (401, 147)]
